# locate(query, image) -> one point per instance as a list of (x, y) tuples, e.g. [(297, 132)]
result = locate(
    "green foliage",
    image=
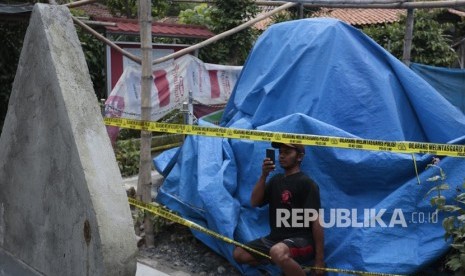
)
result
[(160, 224), (431, 41), (11, 35), (233, 49), (128, 8), (199, 15), (454, 225), (94, 53), (282, 17), (128, 156), (293, 14)]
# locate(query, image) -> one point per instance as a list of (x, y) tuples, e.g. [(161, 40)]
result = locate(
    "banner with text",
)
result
[(209, 84)]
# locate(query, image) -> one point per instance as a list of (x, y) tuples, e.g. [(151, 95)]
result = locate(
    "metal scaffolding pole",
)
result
[(144, 184)]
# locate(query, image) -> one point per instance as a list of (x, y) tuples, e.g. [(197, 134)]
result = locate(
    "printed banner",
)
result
[(210, 84)]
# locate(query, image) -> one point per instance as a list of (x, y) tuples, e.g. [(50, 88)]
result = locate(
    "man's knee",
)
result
[(279, 253), (243, 257), (240, 255)]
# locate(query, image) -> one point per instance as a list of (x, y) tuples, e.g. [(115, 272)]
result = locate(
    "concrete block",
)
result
[(63, 210)]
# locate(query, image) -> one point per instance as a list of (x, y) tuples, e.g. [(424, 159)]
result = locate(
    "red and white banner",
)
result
[(210, 84)]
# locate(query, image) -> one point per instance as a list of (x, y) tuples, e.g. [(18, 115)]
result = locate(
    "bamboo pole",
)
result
[(98, 23), (224, 34), (79, 3), (408, 37), (388, 4), (144, 184), (106, 41), (377, 5)]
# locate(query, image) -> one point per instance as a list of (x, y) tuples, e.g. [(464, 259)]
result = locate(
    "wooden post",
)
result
[(408, 37), (144, 185)]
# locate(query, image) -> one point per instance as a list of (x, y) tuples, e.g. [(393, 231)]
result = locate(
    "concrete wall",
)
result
[(63, 210)]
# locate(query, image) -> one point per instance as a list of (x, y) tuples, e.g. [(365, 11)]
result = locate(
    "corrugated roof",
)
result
[(131, 26), (360, 17)]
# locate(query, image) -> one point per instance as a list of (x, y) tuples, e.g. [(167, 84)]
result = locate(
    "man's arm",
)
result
[(319, 239), (258, 193)]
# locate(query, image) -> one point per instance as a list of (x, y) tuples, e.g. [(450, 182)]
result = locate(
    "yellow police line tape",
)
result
[(293, 138), (169, 215)]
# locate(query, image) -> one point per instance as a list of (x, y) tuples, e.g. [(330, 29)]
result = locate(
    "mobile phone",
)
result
[(270, 153)]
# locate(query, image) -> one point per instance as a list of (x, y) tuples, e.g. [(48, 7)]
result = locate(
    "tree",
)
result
[(233, 49), (199, 15), (431, 40), (293, 14), (11, 35), (94, 53), (160, 8), (220, 17)]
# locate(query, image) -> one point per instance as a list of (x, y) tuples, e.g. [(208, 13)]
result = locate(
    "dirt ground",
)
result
[(178, 252)]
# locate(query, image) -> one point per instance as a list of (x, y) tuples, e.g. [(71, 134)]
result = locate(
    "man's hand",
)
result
[(318, 263), (267, 167), (259, 189)]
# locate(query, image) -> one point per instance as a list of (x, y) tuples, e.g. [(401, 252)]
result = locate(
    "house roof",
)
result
[(96, 10), (100, 12), (361, 17), (131, 26), (356, 17)]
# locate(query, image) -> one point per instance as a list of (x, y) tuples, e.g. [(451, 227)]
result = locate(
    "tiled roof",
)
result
[(96, 10), (356, 17), (263, 24), (131, 26), (360, 17)]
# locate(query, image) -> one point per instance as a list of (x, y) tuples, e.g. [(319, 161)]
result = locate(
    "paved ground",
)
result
[(10, 266), (145, 270)]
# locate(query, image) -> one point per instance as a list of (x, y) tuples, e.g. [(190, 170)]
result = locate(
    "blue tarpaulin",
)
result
[(323, 77), (450, 82)]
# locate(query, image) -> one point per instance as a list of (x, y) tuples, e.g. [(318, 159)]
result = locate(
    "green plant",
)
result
[(199, 15), (430, 43), (128, 8), (224, 16), (127, 156), (454, 225), (94, 53), (11, 35), (159, 224)]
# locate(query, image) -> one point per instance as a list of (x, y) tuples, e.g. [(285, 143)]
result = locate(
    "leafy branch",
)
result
[(454, 225)]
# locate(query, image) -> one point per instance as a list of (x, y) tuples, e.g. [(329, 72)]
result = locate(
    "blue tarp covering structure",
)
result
[(449, 82), (323, 77)]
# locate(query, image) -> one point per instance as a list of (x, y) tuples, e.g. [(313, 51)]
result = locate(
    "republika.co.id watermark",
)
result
[(341, 218)]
